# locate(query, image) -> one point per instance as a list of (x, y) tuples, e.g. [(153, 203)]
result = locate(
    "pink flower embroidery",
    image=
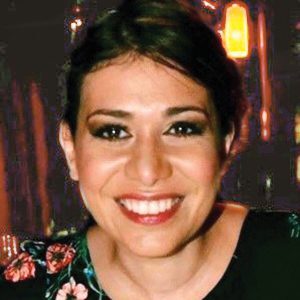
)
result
[(21, 268), (71, 290), (58, 256)]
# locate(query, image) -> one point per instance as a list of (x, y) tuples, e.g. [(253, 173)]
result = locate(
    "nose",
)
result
[(148, 163)]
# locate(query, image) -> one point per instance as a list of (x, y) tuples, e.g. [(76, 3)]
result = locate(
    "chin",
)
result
[(153, 250), (154, 246)]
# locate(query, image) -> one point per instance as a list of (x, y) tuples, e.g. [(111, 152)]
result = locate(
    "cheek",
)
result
[(201, 164), (96, 166)]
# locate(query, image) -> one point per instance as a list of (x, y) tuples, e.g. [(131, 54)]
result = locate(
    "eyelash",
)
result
[(111, 132)]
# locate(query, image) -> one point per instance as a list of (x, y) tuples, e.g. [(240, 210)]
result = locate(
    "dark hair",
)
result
[(168, 32)]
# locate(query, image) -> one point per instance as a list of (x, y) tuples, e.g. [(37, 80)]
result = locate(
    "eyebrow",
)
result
[(172, 111)]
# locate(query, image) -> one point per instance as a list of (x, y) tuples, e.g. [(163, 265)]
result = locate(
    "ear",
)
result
[(228, 141), (67, 143), (227, 147)]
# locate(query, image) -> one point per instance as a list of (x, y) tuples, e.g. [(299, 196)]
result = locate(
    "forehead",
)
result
[(140, 84)]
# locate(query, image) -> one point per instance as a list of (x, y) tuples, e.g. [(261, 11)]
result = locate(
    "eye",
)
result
[(111, 132), (184, 129)]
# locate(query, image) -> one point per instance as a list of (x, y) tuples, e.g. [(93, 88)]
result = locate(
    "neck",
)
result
[(164, 275), (198, 263)]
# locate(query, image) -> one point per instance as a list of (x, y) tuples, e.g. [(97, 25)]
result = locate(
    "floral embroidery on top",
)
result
[(294, 222), (21, 268), (63, 270), (58, 256), (70, 271), (71, 289)]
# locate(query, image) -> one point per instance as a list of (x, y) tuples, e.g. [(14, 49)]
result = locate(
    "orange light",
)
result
[(265, 122), (236, 31), (265, 134), (264, 116)]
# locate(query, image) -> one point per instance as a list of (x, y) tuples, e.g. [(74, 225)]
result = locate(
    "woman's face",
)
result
[(146, 155)]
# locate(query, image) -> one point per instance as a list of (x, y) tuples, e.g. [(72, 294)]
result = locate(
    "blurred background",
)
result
[(38, 199)]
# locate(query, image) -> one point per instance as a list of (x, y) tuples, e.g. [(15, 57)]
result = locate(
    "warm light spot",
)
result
[(265, 134), (236, 32), (78, 22), (265, 123), (264, 116), (73, 26)]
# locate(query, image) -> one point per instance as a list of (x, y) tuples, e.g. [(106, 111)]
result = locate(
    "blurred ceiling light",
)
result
[(264, 116), (236, 30), (78, 22), (265, 124), (265, 134), (75, 24)]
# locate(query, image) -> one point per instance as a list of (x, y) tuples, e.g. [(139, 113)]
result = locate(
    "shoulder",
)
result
[(279, 225), (268, 253), (272, 238), (258, 223)]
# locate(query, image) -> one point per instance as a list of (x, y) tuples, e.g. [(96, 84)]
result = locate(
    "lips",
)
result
[(149, 209)]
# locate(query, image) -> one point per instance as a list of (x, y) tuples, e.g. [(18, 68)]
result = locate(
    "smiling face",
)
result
[(146, 155)]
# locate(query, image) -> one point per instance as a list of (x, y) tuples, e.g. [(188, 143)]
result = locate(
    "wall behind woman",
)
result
[(36, 195)]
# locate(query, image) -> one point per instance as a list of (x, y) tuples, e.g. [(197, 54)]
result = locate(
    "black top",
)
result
[(266, 265)]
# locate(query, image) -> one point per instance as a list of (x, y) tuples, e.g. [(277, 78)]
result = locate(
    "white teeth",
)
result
[(149, 207), (153, 207), (135, 206), (129, 205), (143, 208), (162, 206), (169, 204)]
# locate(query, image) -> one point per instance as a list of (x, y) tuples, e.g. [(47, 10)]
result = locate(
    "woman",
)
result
[(155, 113)]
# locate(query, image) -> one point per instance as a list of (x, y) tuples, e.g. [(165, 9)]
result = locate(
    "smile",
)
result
[(149, 207), (149, 210)]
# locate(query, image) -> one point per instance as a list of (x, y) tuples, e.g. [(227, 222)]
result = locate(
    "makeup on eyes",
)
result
[(186, 128), (116, 131), (109, 130)]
